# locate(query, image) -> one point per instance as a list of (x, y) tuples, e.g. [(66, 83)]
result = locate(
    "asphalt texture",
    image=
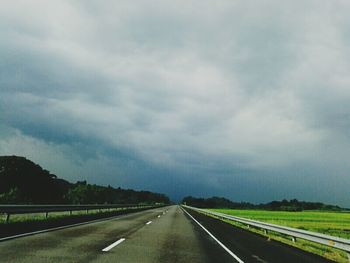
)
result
[(252, 247), (165, 234)]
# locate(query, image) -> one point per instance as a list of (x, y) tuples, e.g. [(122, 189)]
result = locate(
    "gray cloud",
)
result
[(243, 99)]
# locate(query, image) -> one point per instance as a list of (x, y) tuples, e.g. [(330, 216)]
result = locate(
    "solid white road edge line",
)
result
[(218, 241), (116, 243), (149, 222)]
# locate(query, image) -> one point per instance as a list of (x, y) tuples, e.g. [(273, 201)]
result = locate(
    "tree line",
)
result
[(284, 205), (24, 182)]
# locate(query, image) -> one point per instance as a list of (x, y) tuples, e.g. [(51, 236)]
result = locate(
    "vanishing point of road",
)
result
[(168, 234)]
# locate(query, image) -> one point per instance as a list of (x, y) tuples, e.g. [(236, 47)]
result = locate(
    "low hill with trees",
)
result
[(24, 182), (284, 205)]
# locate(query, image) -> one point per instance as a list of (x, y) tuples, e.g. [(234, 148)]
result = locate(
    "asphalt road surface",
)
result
[(167, 234)]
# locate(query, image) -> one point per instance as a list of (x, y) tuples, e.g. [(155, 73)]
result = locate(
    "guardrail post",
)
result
[(294, 239), (87, 211), (70, 212), (46, 215), (7, 218), (265, 231)]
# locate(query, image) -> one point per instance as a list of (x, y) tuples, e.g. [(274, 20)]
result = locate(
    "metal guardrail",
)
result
[(331, 241), (31, 209)]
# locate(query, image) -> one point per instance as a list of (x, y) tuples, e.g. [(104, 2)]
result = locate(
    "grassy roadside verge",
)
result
[(322, 221), (17, 218)]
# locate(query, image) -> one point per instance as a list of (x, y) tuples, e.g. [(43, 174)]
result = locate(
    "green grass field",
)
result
[(331, 223), (41, 216)]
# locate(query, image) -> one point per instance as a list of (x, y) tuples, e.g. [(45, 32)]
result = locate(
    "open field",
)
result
[(331, 223)]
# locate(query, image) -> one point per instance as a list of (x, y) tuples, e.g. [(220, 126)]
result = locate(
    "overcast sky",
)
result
[(249, 100)]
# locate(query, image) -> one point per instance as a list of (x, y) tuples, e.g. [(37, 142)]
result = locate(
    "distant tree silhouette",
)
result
[(31, 183), (284, 205), (24, 182)]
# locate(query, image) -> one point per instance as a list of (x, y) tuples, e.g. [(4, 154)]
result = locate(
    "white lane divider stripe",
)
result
[(149, 222), (218, 241), (113, 245)]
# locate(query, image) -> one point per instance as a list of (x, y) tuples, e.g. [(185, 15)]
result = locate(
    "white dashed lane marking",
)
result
[(113, 245)]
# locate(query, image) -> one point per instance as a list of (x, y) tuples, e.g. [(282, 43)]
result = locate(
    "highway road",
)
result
[(167, 234)]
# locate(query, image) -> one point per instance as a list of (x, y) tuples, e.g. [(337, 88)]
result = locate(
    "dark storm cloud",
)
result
[(241, 99)]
